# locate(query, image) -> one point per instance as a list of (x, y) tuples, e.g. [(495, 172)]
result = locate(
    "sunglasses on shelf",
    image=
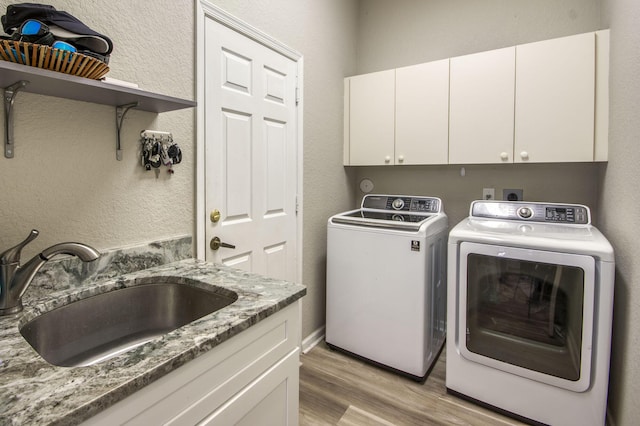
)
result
[(63, 45), (34, 31)]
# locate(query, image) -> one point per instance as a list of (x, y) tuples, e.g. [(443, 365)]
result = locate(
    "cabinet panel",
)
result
[(481, 107), (601, 149), (555, 86), (372, 118), (254, 363), (422, 113)]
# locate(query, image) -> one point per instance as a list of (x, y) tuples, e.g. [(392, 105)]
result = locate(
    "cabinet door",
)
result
[(422, 113), (555, 86), (481, 107), (371, 119)]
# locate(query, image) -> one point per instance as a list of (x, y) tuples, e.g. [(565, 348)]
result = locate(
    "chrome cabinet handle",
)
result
[(216, 243)]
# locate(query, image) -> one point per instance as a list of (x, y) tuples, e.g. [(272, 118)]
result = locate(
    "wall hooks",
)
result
[(159, 148)]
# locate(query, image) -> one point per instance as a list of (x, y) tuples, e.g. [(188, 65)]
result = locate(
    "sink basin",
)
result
[(92, 330)]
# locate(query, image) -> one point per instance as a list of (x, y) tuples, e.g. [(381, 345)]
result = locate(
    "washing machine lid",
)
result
[(398, 212), (382, 219)]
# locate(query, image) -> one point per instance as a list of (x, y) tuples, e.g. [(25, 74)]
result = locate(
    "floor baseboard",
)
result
[(312, 340)]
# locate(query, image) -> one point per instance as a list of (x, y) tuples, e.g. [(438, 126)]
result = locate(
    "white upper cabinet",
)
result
[(481, 107), (539, 102), (422, 111), (370, 124), (555, 100)]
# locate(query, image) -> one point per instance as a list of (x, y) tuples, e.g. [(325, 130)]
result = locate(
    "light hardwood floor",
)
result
[(336, 389)]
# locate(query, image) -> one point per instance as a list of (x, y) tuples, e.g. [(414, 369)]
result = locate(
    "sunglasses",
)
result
[(63, 45), (33, 27), (34, 31)]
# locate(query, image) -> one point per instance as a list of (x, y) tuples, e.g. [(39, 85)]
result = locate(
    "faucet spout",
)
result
[(15, 279)]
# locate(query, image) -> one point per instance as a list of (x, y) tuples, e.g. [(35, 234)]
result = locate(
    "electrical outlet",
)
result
[(512, 194), (488, 193)]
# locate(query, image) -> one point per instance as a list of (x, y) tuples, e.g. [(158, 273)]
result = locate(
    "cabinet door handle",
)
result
[(400, 158), (504, 156), (387, 159), (524, 155)]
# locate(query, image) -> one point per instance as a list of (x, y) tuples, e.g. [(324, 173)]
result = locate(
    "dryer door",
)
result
[(527, 312)]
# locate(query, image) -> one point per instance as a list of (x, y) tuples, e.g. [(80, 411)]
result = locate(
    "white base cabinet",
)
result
[(253, 378)]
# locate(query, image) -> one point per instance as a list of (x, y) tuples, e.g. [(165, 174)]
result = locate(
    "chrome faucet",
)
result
[(15, 279)]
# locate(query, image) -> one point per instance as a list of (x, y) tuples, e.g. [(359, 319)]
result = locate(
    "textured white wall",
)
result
[(406, 32), (65, 180), (621, 222)]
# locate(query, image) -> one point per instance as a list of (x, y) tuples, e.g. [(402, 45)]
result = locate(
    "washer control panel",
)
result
[(572, 214), (402, 203)]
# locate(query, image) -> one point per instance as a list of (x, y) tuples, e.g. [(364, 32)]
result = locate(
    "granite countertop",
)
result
[(33, 391)]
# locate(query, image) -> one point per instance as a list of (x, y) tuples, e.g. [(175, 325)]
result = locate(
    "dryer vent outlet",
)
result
[(512, 194)]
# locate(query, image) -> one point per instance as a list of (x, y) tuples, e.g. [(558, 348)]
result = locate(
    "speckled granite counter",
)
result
[(35, 392)]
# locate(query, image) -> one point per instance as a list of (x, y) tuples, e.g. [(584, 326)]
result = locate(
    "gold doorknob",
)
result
[(215, 215), (215, 244)]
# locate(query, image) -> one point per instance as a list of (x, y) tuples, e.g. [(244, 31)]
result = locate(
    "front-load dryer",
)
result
[(530, 302), (386, 282)]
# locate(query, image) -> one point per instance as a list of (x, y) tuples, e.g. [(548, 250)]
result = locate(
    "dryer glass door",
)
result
[(529, 312)]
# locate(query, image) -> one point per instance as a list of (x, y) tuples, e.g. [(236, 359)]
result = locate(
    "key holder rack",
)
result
[(159, 148)]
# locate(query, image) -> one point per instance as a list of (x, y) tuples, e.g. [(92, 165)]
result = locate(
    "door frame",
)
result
[(207, 10)]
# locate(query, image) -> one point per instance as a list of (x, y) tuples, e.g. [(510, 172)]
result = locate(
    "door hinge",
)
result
[(297, 205), (297, 95)]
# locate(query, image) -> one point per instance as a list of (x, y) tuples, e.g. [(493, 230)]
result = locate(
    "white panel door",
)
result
[(481, 107), (555, 90), (422, 113), (372, 119), (250, 153)]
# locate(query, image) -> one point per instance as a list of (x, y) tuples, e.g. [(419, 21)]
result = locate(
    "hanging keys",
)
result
[(158, 148)]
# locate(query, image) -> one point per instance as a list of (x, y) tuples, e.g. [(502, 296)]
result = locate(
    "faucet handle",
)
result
[(12, 255)]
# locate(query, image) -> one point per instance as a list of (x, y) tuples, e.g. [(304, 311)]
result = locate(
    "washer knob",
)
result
[(398, 203)]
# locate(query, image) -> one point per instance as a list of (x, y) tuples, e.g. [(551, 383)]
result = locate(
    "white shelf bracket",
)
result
[(121, 111), (9, 97)]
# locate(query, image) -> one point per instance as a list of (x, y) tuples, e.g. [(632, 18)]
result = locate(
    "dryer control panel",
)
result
[(571, 214), (402, 203)]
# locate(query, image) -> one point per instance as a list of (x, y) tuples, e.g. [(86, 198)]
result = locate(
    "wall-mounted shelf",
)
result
[(51, 83)]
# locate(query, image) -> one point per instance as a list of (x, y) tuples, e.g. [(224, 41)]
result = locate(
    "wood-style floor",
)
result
[(336, 389)]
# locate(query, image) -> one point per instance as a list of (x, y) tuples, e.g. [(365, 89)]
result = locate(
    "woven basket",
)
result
[(45, 57)]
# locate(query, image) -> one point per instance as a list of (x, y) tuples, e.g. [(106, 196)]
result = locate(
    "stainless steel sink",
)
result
[(100, 327)]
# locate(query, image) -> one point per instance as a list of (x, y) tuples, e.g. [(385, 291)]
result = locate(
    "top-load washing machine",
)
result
[(530, 303), (386, 282)]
